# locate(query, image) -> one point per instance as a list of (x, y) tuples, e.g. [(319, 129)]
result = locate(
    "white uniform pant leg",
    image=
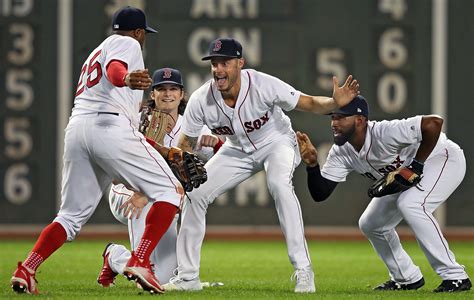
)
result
[(83, 181), (126, 156), (441, 176), (279, 165), (378, 224), (118, 257), (164, 256), (227, 168)]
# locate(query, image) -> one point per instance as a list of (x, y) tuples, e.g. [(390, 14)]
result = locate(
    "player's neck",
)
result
[(358, 138), (230, 96)]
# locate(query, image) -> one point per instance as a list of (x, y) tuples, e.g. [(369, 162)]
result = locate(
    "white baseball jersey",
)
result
[(95, 93), (257, 119), (389, 145), (259, 137), (99, 148)]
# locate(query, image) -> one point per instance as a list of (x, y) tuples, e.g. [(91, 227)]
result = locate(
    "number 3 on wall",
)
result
[(92, 77)]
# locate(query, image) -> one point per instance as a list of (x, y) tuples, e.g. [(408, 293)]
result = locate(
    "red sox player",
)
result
[(168, 96), (247, 107), (102, 143), (372, 149)]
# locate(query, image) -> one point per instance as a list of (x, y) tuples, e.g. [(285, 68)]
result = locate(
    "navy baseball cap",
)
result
[(358, 106), (130, 18), (224, 47), (167, 75)]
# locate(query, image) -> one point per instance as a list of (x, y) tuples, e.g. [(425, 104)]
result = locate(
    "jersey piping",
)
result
[(240, 106)]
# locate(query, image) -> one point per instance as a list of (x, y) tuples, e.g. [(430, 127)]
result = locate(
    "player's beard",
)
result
[(344, 136)]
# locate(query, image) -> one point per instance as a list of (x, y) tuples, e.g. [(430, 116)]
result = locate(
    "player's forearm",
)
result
[(319, 187), (187, 143), (430, 131), (316, 104)]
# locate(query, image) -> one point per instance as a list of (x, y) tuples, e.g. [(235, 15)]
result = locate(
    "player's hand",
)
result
[(308, 152), (344, 94), (138, 80), (207, 140), (134, 205)]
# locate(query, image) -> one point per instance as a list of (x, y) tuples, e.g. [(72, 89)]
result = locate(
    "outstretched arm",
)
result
[(319, 187), (341, 96)]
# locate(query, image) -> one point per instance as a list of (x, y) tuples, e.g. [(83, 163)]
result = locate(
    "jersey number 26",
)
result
[(90, 67)]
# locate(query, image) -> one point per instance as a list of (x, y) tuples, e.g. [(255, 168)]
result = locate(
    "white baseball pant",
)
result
[(226, 169), (102, 147), (441, 176)]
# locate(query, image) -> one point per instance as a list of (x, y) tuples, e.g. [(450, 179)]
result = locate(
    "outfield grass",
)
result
[(250, 270)]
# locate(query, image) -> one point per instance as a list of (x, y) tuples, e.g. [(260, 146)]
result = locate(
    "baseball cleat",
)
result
[(106, 276), (207, 284), (454, 286), (140, 271), (391, 285), (24, 281), (179, 284), (304, 280)]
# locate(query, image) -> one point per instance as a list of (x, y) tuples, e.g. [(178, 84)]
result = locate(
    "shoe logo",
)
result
[(457, 283)]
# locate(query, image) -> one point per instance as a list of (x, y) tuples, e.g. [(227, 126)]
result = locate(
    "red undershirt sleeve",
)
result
[(116, 71)]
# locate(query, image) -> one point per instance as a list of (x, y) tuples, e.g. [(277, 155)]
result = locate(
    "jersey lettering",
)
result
[(369, 175), (91, 66), (397, 163), (256, 124), (224, 130)]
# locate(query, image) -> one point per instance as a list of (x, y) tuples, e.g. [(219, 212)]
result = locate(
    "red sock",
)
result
[(158, 220), (51, 238)]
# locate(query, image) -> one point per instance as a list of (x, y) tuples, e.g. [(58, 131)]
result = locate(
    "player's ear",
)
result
[(241, 62)]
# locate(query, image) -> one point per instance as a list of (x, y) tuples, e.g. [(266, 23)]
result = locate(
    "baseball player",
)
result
[(372, 149), (102, 143), (247, 107), (168, 96)]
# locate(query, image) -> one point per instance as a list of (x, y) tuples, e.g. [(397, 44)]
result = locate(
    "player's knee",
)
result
[(365, 225), (71, 226)]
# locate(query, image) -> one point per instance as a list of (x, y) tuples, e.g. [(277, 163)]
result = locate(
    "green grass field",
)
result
[(249, 270)]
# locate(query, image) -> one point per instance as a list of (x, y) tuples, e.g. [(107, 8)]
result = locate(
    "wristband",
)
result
[(218, 145), (417, 166)]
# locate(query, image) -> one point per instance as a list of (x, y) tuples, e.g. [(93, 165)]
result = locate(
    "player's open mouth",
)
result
[(167, 100), (336, 133), (220, 79)]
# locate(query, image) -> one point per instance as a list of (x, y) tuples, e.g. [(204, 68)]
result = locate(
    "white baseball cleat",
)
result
[(304, 280), (179, 284), (207, 284)]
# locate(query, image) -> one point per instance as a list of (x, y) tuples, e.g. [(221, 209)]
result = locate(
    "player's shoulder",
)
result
[(202, 93), (258, 76), (120, 41), (385, 125)]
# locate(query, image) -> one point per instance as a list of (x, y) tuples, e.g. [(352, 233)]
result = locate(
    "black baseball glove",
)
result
[(187, 168), (397, 181)]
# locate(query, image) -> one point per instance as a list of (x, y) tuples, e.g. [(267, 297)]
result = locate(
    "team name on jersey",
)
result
[(257, 124), (397, 163), (224, 130)]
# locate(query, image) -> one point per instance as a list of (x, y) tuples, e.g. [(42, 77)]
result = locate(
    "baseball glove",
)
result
[(395, 182), (154, 124), (187, 168)]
